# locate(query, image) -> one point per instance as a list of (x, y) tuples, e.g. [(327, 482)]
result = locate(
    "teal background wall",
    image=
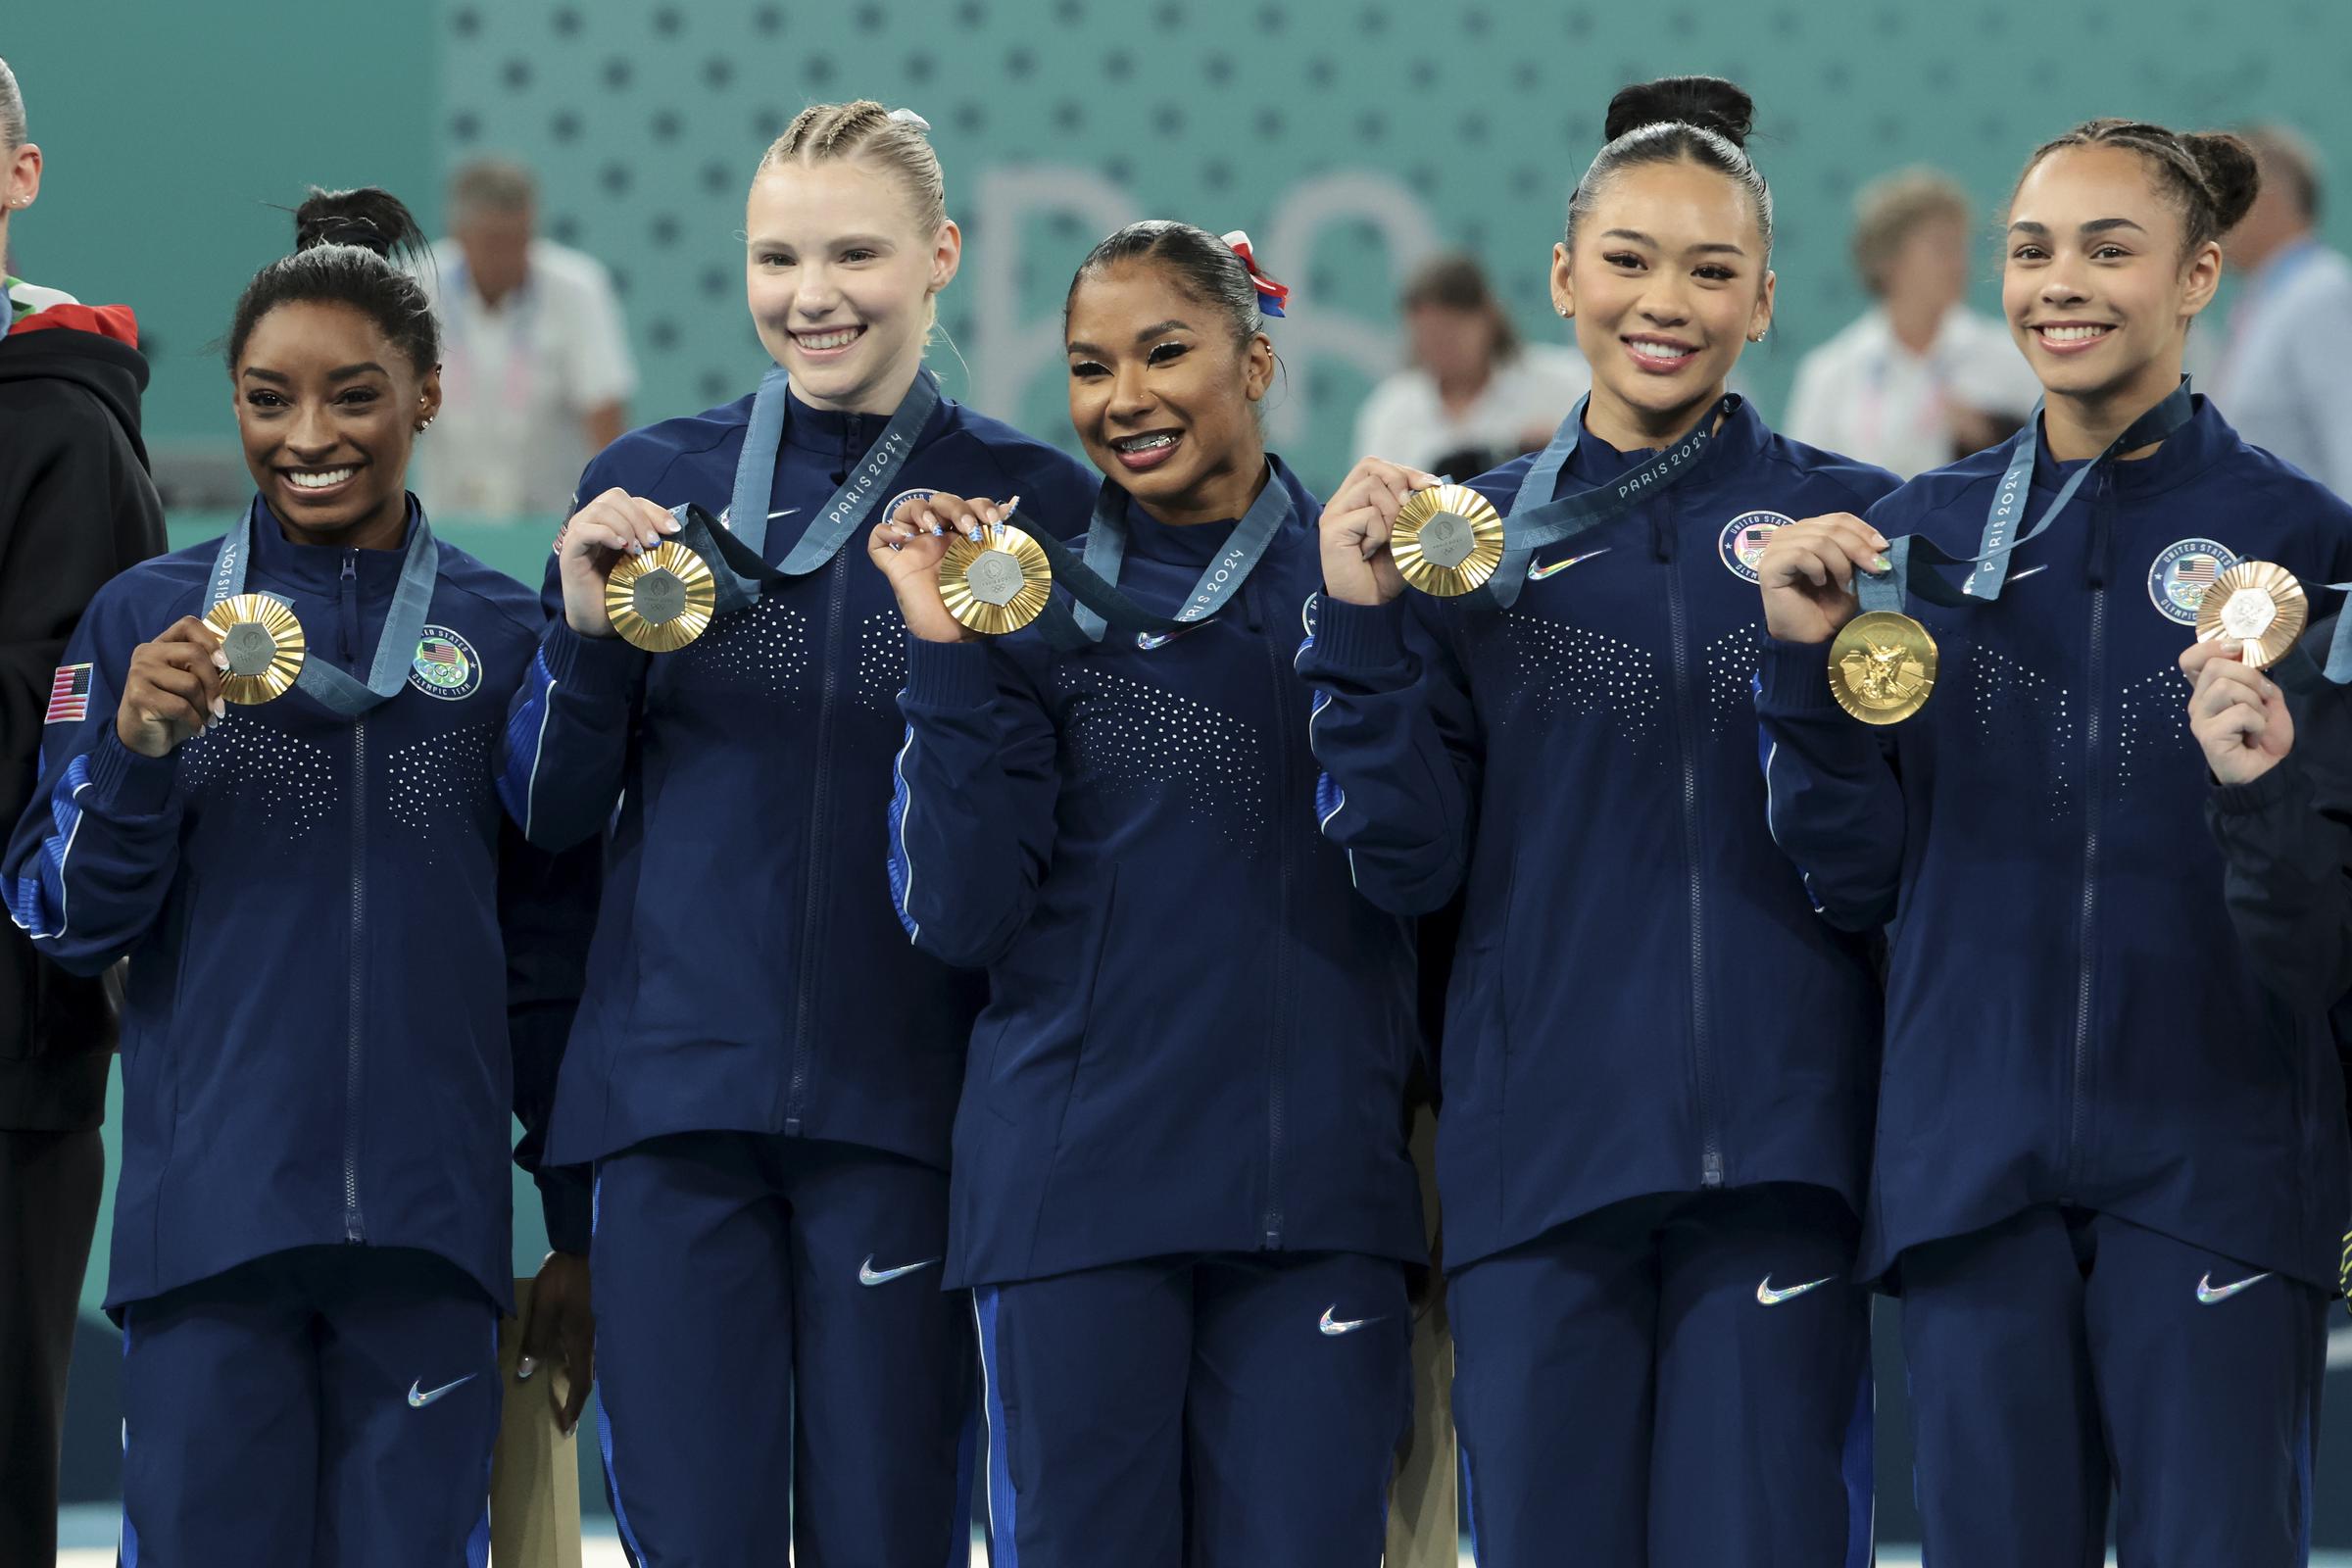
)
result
[(1350, 137)]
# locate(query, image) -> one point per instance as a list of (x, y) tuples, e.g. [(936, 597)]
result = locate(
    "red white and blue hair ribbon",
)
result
[(1271, 296)]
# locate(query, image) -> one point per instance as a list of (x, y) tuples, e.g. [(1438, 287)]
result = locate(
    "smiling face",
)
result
[(1163, 396), (840, 279), (2096, 289), (327, 409), (1666, 282)]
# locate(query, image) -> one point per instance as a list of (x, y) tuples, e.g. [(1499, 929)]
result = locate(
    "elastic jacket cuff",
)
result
[(2285, 784), (948, 674), (1794, 678), (568, 1202), (1351, 636), (601, 666), (129, 785)]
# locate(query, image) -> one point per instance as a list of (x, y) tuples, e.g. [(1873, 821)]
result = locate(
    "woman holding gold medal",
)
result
[(1180, 1187), (769, 1122), (1651, 1179), (2111, 1173), (277, 801)]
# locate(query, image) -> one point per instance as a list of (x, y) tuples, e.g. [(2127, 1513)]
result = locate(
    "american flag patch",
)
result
[(70, 694)]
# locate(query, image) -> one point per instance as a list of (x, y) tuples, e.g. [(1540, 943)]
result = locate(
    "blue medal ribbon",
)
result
[(1093, 579), (1537, 519), (1910, 560), (739, 573), (404, 624)]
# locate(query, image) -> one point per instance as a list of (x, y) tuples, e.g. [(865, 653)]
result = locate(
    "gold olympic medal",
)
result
[(1448, 540), (997, 583), (1883, 667), (662, 600), (2256, 607), (263, 644)]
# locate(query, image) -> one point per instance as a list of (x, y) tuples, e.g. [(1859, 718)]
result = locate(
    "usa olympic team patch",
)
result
[(2180, 575), (446, 665), (1743, 540)]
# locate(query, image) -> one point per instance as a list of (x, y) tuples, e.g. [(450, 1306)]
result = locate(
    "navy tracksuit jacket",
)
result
[(1585, 768), (2069, 1018)]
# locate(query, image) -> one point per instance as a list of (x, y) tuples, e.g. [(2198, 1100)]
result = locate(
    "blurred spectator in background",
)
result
[(535, 367), (75, 507), (1920, 380), (1472, 394), (2285, 372)]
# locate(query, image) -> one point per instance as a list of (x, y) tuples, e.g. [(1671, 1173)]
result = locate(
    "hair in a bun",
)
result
[(1694, 120), (2210, 175), (1708, 102), (345, 248), (369, 217), (2230, 172)]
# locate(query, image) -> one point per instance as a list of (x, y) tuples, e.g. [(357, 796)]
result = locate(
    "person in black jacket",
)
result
[(2279, 747), (75, 507)]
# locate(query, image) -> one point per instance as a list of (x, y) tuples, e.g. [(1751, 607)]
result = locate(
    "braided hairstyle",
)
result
[(2210, 176)]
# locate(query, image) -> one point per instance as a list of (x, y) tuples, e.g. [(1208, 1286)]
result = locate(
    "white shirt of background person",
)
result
[(1920, 379), (2284, 373), (1471, 386), (535, 365)]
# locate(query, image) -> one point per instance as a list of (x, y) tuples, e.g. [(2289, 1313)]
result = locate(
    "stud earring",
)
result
[(421, 424)]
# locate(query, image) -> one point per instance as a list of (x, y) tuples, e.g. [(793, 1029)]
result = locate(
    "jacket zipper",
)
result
[(2094, 705), (354, 1229), (1703, 1073), (1286, 686), (820, 803)]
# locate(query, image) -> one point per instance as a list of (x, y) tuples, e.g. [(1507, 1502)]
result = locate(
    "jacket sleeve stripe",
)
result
[(31, 898), (529, 723), (901, 866)]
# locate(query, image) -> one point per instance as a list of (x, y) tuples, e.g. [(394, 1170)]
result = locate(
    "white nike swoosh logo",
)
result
[(1147, 640), (1766, 1295), (1539, 573), (786, 512), (419, 1398), (2208, 1293), (868, 1274), (1336, 1326)]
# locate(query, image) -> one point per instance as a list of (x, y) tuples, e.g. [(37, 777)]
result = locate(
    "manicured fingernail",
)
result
[(636, 549), (1881, 564), (219, 709), (894, 544), (670, 526), (525, 1367), (1879, 539), (220, 658)]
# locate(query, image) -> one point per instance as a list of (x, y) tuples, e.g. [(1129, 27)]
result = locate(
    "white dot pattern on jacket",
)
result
[(2027, 721), (441, 784), (273, 779), (1730, 662), (881, 660), (1556, 668), (1129, 735), (2155, 724), (762, 649)]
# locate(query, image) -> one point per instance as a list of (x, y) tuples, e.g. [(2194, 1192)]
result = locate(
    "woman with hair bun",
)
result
[(1651, 1176), (2111, 1171), (304, 860)]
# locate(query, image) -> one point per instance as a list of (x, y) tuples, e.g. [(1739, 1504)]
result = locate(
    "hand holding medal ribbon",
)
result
[(1883, 661)]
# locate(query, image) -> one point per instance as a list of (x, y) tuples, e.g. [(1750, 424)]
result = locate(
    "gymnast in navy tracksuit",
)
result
[(767, 1104), (1181, 1185), (311, 1246), (1650, 1168), (2111, 1171)]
